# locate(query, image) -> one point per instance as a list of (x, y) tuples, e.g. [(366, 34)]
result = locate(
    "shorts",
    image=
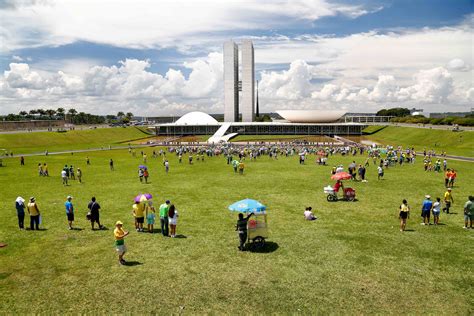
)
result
[(468, 217), (436, 213), (140, 220), (121, 249), (403, 215), (70, 217), (425, 213)]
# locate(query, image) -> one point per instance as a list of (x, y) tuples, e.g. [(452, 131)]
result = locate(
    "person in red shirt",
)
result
[(338, 185)]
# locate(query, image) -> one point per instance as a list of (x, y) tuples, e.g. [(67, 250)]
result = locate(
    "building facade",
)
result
[(248, 82), (231, 82)]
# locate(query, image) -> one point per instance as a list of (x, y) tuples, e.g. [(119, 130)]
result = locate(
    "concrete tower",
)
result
[(231, 82), (248, 82)]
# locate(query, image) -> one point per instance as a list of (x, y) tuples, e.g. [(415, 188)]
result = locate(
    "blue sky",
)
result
[(159, 58)]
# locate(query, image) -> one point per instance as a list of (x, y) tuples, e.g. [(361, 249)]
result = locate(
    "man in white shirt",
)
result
[(308, 214), (64, 176)]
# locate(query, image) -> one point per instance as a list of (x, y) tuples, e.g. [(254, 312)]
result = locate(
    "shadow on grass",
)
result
[(77, 228), (267, 248), (97, 229), (180, 236), (39, 229), (409, 230), (132, 263)]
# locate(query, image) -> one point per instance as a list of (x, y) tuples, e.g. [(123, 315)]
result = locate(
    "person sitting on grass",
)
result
[(119, 235), (403, 215), (308, 214)]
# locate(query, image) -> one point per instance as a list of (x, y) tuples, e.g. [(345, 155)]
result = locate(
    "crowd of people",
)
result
[(383, 158)]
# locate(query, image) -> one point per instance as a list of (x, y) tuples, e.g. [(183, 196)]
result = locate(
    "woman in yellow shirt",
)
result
[(34, 214), (119, 235), (403, 215)]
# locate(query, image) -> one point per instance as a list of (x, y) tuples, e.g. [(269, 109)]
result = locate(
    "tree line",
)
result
[(70, 116)]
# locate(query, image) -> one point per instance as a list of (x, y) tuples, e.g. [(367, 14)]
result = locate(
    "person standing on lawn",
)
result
[(33, 210), (79, 175), (94, 208), (119, 235), (448, 200), (164, 209), (173, 220), (241, 228), (426, 210), (69, 211), (469, 212), (436, 210), (403, 215), (20, 211)]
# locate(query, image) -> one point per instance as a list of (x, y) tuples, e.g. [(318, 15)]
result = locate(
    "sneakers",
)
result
[(122, 262), (465, 227)]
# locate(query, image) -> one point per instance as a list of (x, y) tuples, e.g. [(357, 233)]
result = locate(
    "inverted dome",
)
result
[(311, 116), (196, 118)]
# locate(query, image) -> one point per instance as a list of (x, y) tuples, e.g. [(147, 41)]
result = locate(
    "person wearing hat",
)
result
[(20, 211), (119, 235), (426, 210), (79, 175), (33, 210), (448, 200), (69, 211)]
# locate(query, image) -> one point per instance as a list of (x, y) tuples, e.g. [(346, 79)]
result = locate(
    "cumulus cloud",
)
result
[(167, 23), (457, 64), (130, 83)]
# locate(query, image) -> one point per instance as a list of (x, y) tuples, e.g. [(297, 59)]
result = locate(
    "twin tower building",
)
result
[(232, 84)]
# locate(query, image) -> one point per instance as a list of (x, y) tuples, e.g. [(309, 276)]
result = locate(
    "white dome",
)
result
[(196, 118), (311, 116)]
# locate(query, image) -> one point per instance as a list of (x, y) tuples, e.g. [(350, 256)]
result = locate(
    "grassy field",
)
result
[(454, 143), (77, 139), (352, 260)]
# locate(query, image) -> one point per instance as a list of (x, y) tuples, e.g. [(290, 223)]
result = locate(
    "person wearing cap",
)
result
[(69, 211), (20, 211), (119, 235), (164, 208), (469, 212), (33, 210), (448, 200), (426, 210)]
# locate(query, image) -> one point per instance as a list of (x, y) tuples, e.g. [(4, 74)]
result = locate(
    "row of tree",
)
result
[(71, 116)]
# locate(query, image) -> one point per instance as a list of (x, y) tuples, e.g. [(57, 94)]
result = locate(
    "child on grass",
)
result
[(119, 235), (150, 218)]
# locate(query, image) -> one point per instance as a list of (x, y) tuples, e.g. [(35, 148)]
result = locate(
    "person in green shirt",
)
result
[(469, 212), (164, 218)]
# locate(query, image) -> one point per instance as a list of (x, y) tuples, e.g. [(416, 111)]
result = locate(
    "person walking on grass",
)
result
[(94, 209), (40, 170), (88, 161), (164, 209), (79, 175), (469, 212), (426, 210), (146, 174), (34, 212), (71, 172), (111, 165), (22, 161), (173, 220), (20, 211), (448, 200), (436, 210), (64, 177), (45, 170), (241, 167), (119, 235), (241, 228), (167, 166), (403, 215), (140, 174), (69, 211), (380, 172)]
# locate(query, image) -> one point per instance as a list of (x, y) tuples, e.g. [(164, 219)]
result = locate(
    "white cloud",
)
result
[(470, 94), (17, 58), (147, 23), (457, 64)]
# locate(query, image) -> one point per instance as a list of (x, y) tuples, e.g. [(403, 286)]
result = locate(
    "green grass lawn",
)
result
[(352, 260), (454, 143), (78, 139)]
